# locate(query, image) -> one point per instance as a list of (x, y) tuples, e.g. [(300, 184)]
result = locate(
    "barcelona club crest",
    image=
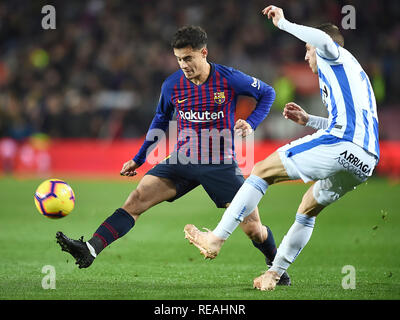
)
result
[(219, 97)]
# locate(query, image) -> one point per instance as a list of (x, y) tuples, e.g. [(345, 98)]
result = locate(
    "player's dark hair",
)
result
[(193, 36), (333, 31)]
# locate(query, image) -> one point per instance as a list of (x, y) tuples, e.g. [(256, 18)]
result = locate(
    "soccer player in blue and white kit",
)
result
[(204, 97), (338, 157)]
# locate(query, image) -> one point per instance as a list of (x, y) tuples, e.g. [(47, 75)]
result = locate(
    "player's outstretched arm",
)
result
[(294, 112), (315, 37)]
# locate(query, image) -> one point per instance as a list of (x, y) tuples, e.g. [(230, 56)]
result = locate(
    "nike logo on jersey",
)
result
[(183, 100)]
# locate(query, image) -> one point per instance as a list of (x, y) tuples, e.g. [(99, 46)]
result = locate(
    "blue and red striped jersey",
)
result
[(205, 113)]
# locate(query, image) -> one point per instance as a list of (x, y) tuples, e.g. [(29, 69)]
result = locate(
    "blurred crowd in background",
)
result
[(99, 73)]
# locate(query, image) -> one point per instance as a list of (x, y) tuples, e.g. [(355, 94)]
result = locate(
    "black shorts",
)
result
[(220, 181)]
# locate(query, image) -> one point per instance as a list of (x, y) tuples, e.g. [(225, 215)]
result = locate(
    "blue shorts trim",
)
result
[(325, 139)]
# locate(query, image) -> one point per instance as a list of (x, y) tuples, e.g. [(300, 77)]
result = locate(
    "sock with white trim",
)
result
[(244, 203), (293, 242)]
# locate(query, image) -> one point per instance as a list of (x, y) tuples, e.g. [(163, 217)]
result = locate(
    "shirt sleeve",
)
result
[(164, 113), (316, 122), (324, 44), (246, 85)]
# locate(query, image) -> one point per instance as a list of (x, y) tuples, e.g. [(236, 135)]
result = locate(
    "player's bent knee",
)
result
[(262, 170), (271, 169), (136, 203), (258, 169), (310, 204)]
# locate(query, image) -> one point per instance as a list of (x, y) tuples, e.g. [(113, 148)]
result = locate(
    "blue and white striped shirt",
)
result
[(347, 93)]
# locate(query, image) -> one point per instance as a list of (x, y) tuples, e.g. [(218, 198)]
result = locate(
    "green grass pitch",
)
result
[(154, 261)]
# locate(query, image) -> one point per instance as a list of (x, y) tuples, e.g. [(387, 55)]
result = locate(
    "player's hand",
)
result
[(295, 113), (273, 13), (242, 128), (129, 169)]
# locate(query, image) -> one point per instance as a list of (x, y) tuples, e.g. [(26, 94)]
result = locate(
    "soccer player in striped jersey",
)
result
[(339, 156), (204, 97)]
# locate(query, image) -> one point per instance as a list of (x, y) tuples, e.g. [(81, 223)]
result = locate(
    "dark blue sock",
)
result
[(268, 247), (113, 228)]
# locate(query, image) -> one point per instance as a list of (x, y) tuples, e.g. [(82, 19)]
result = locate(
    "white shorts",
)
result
[(337, 165)]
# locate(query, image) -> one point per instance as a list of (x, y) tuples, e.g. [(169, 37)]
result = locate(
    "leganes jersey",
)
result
[(347, 93)]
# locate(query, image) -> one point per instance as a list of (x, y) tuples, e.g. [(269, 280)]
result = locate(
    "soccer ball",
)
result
[(54, 198)]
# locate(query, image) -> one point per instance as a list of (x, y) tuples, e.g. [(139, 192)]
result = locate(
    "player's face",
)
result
[(191, 61), (311, 58)]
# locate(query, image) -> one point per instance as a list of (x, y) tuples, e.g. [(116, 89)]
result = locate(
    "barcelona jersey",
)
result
[(205, 113)]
